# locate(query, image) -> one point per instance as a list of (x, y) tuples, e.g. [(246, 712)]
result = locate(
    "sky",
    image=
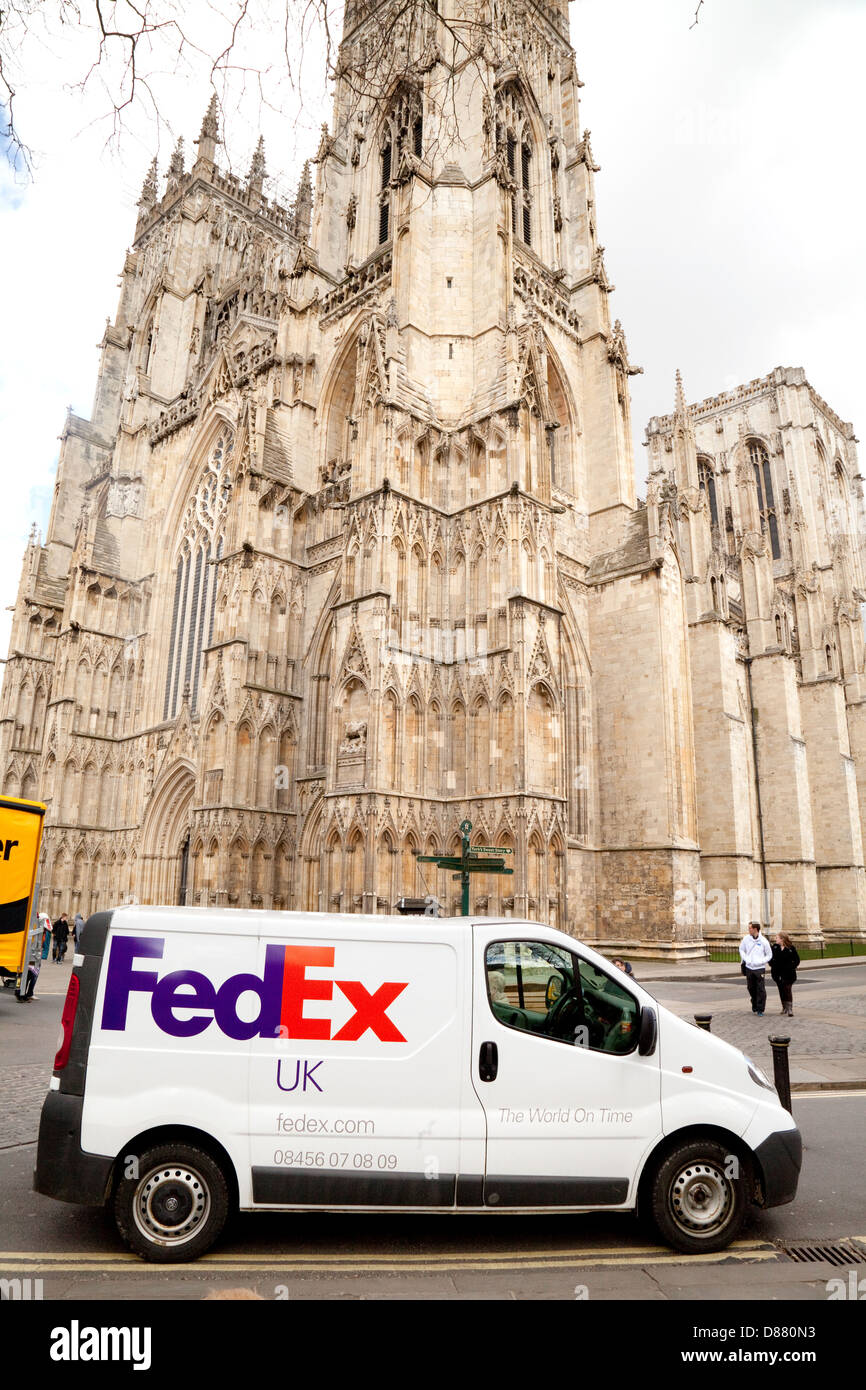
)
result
[(730, 203)]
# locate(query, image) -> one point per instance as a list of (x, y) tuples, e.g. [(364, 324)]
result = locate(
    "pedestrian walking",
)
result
[(755, 955), (61, 937), (35, 954), (77, 929), (784, 970), (32, 975), (46, 934)]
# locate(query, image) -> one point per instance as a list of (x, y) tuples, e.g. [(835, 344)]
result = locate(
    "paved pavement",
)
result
[(25, 1058), (700, 970), (827, 1032), (23, 1090)]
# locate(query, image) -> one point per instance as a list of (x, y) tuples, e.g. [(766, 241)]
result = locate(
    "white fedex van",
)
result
[(280, 1061)]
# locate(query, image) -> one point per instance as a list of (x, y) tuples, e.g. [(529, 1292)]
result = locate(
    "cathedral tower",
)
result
[(769, 500), (349, 550)]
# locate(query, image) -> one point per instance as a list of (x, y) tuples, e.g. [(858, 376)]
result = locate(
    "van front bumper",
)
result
[(63, 1170), (780, 1157)]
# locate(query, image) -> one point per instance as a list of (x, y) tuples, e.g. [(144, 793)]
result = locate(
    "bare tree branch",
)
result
[(129, 44)]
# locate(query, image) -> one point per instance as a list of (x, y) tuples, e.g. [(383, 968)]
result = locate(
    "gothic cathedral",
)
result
[(350, 550)]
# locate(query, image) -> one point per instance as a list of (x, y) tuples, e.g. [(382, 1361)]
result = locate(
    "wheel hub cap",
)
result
[(700, 1197), (171, 1204)]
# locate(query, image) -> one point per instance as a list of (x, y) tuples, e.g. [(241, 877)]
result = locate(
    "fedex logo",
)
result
[(282, 990)]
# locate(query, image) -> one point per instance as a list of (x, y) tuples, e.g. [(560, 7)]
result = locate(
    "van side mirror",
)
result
[(648, 1032)]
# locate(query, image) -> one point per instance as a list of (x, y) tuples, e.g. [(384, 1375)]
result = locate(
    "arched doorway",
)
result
[(165, 831), (311, 854)]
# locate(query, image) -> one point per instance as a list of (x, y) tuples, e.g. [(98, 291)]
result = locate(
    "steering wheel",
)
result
[(566, 1015)]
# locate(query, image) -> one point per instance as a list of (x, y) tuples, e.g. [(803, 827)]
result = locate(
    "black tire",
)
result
[(695, 1206), (176, 1207)]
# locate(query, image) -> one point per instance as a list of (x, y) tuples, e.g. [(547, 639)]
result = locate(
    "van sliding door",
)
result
[(358, 1099)]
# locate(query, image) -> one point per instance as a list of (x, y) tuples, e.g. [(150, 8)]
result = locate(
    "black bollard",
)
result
[(781, 1070), (704, 1021)]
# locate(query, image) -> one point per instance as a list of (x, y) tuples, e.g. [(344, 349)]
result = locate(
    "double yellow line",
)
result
[(41, 1264)]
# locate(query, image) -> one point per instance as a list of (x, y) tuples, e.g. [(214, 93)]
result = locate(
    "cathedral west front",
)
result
[(349, 549)]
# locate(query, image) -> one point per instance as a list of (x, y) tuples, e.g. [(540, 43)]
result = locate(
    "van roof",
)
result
[(256, 921)]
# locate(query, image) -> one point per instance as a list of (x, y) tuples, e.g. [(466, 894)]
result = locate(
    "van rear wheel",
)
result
[(699, 1196), (176, 1205)]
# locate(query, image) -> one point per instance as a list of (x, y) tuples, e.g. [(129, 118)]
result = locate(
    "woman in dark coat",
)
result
[(783, 969), (61, 937)]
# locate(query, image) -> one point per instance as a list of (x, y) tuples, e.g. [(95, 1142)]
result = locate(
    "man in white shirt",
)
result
[(756, 953)]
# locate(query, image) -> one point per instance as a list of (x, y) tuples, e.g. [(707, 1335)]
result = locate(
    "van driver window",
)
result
[(539, 988)]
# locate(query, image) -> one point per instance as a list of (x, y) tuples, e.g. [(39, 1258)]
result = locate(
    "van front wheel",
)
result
[(699, 1196), (174, 1205)]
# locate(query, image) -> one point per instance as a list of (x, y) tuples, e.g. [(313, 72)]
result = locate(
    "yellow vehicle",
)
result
[(21, 825)]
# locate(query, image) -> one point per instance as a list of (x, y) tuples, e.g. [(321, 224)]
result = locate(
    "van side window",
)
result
[(526, 983), (542, 989)]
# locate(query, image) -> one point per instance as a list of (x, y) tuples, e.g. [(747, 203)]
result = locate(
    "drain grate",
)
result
[(840, 1253)]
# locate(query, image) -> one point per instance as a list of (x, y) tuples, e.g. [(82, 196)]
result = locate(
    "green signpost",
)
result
[(475, 859)]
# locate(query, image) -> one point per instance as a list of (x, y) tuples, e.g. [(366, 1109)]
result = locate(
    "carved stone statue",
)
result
[(354, 736)]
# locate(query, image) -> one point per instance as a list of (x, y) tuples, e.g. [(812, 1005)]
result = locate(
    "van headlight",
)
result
[(759, 1077)]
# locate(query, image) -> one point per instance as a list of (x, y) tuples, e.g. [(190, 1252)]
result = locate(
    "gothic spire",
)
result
[(149, 188), (303, 205), (210, 122), (257, 164), (209, 136), (685, 449), (176, 166)]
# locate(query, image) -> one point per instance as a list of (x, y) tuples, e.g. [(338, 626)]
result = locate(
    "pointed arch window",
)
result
[(195, 576), (559, 432), (707, 484), (147, 350), (760, 461), (841, 505), (514, 133), (385, 195), (402, 134)]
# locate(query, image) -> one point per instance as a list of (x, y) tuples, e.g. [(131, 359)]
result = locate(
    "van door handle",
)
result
[(488, 1061)]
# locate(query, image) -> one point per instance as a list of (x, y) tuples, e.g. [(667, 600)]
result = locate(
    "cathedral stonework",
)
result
[(349, 550)]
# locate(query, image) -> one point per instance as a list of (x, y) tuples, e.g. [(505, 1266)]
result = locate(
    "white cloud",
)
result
[(730, 200)]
